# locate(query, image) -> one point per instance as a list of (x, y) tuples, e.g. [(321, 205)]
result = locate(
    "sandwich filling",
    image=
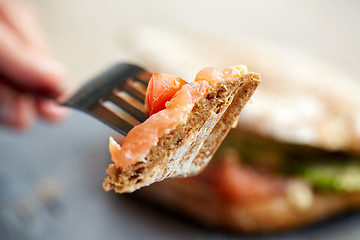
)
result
[(248, 168), (323, 170), (178, 99)]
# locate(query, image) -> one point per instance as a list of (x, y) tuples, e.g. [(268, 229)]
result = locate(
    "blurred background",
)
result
[(51, 175), (85, 34)]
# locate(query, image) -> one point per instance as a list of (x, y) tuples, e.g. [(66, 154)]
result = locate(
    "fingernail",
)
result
[(53, 66), (54, 72), (53, 112)]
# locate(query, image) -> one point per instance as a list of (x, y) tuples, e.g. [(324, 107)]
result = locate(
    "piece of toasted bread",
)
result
[(188, 148), (279, 213)]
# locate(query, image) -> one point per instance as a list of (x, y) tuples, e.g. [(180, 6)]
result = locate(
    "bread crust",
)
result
[(188, 148)]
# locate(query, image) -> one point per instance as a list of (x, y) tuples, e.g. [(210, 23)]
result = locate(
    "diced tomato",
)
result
[(161, 89), (238, 183)]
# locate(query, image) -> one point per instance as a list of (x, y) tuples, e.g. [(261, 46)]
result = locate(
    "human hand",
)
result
[(30, 79)]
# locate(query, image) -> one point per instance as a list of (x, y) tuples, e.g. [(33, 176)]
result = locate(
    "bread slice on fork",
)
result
[(188, 148)]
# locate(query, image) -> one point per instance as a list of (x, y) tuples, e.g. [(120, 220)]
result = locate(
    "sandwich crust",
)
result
[(188, 148)]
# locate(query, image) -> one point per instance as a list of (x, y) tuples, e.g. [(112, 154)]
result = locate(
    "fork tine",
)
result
[(112, 119), (119, 97), (144, 77), (97, 96), (135, 89)]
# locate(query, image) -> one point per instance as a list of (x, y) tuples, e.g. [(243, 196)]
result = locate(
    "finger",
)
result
[(16, 109), (24, 22), (50, 110), (30, 72)]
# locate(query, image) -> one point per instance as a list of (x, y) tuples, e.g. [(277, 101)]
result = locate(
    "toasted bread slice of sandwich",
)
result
[(298, 143), (185, 146), (240, 194)]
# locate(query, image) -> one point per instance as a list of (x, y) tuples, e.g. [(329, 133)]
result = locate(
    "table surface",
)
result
[(50, 188)]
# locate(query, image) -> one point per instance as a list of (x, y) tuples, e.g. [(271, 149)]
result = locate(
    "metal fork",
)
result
[(116, 97)]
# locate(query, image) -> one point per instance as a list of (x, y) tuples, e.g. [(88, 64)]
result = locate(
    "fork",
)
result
[(116, 97)]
